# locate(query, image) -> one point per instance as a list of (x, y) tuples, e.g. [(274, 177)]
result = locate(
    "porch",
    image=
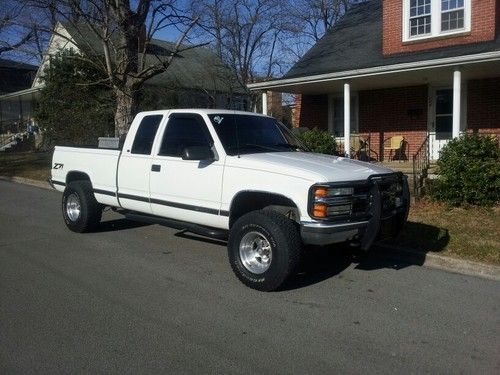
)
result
[(17, 117), (403, 113), (366, 109)]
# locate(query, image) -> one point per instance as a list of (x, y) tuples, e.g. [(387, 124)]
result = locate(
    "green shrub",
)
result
[(76, 105), (469, 172), (319, 141)]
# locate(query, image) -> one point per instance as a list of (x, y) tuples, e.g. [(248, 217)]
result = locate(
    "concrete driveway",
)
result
[(141, 299)]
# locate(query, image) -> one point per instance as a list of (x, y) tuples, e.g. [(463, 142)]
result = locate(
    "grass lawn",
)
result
[(472, 233), (34, 165)]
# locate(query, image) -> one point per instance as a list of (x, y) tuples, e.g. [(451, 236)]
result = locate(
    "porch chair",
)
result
[(359, 145), (360, 148), (396, 146)]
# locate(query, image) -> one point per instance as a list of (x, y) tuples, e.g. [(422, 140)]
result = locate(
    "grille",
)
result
[(391, 194), (357, 206)]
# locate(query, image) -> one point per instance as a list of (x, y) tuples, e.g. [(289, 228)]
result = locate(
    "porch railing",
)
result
[(421, 163), (360, 147), (6, 139)]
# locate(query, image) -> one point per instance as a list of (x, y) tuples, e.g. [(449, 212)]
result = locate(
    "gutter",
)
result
[(379, 70), (21, 92)]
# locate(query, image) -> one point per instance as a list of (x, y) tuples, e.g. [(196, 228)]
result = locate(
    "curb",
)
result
[(27, 181), (445, 263), (441, 262)]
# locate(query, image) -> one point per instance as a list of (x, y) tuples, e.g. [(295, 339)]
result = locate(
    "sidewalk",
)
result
[(446, 263)]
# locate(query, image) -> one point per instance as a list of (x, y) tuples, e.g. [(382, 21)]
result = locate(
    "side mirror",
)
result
[(197, 153)]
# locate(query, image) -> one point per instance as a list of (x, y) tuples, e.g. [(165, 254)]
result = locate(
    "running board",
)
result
[(201, 230)]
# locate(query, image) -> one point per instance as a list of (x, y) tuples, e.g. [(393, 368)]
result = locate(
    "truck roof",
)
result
[(201, 111)]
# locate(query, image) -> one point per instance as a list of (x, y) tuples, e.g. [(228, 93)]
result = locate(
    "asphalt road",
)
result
[(139, 299)]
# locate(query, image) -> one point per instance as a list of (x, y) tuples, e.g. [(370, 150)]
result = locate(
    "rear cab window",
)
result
[(146, 133)]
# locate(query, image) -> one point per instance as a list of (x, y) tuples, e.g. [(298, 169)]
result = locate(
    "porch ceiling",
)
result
[(436, 76)]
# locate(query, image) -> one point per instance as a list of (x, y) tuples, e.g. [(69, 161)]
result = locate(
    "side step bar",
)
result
[(201, 230)]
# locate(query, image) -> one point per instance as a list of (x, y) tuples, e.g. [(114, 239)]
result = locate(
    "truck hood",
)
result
[(309, 166)]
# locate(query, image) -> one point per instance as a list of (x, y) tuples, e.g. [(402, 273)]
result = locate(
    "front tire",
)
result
[(81, 212), (264, 249)]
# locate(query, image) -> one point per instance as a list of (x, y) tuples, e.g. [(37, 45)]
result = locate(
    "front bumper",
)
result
[(381, 219)]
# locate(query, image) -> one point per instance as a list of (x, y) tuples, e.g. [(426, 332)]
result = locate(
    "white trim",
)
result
[(406, 22), (435, 22), (457, 96), (435, 145), (264, 103), (57, 36), (379, 70), (31, 90), (347, 119), (465, 103)]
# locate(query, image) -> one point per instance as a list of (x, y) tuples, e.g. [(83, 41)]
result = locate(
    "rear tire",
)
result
[(81, 211), (264, 249)]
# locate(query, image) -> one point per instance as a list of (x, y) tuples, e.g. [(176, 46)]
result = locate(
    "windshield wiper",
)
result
[(278, 147), (290, 146), (249, 146)]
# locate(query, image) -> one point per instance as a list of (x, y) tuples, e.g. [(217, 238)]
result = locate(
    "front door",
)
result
[(186, 190), (441, 122)]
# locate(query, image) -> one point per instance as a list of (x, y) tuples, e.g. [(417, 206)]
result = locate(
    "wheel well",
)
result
[(75, 175), (247, 201)]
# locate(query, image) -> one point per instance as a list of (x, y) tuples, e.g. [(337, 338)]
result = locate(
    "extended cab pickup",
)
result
[(237, 176)]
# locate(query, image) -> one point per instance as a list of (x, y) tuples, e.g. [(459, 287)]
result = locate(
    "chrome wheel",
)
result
[(73, 208), (255, 252)]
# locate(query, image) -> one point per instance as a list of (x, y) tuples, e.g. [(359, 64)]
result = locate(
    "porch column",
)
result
[(264, 103), (347, 119), (457, 82)]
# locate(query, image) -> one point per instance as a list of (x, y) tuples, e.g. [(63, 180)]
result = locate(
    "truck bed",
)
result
[(99, 164)]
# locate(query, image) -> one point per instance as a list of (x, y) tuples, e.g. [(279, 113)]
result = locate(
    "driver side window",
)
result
[(183, 131)]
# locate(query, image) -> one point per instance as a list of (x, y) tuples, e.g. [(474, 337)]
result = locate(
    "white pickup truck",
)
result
[(237, 176)]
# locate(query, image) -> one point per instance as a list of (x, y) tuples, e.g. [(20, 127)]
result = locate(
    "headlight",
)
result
[(327, 192), (331, 201)]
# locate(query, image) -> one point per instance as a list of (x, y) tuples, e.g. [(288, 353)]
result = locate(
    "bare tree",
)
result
[(245, 33), (261, 39), (13, 33), (310, 20), (315, 17), (124, 33)]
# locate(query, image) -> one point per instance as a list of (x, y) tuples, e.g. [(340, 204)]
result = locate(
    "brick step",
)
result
[(405, 167)]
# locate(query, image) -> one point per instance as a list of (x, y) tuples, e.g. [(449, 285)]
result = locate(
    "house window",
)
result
[(420, 17), (424, 19), (452, 14), (336, 114)]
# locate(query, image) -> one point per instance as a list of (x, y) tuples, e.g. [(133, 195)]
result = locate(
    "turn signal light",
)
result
[(319, 210), (320, 192)]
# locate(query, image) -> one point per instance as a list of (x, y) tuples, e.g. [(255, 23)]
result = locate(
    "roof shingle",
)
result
[(355, 42), (193, 68)]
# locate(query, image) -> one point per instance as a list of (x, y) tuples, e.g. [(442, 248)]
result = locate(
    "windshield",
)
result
[(248, 134)]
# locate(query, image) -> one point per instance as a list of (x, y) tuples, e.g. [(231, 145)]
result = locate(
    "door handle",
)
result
[(155, 168)]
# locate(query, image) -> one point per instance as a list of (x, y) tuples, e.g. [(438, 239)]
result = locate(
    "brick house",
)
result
[(423, 69)]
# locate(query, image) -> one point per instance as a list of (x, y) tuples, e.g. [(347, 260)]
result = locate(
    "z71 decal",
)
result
[(58, 166)]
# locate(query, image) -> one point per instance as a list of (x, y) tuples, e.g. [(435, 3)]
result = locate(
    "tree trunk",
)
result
[(126, 109)]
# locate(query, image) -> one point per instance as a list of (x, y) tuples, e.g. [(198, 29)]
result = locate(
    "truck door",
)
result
[(135, 165), (187, 190)]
